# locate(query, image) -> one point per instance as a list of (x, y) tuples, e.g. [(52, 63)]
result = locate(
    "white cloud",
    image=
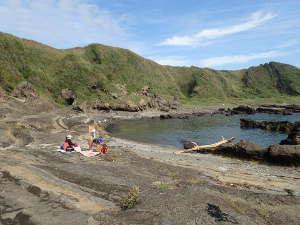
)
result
[(288, 44), (61, 23), (203, 37), (237, 59)]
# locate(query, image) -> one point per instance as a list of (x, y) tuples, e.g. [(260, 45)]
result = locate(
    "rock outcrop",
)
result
[(293, 138), (271, 109), (282, 126), (242, 110), (25, 91), (284, 154), (188, 144), (68, 96), (154, 102), (244, 149), (288, 155)]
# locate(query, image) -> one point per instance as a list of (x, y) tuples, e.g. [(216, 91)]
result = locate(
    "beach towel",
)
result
[(89, 153), (78, 149)]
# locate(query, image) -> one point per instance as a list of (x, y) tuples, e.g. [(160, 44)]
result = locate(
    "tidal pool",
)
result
[(205, 129)]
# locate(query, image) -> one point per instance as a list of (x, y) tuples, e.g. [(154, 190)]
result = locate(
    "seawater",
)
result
[(205, 129)]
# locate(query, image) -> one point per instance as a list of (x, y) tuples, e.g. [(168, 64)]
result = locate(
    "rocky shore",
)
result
[(42, 186)]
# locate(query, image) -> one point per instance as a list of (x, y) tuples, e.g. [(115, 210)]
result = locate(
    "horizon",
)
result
[(217, 35)]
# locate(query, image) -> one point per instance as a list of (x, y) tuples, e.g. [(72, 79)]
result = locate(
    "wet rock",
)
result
[(284, 154), (283, 126), (188, 144), (25, 91), (291, 108), (182, 117), (242, 109), (250, 150), (165, 116), (274, 110), (292, 139), (243, 149), (68, 96)]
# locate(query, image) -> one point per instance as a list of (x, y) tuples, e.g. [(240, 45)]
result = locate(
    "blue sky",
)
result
[(220, 34)]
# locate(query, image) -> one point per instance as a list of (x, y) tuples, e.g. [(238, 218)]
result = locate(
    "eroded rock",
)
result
[(283, 126), (242, 109), (292, 139), (25, 91), (68, 96), (188, 144), (243, 149), (284, 154)]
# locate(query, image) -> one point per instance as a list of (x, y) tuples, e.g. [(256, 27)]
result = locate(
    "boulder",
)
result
[(25, 91), (292, 139), (188, 144), (243, 149), (165, 116), (68, 96), (242, 109), (250, 150), (284, 154)]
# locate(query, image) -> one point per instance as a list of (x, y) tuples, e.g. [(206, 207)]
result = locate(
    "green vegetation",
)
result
[(131, 199), (95, 72), (162, 185)]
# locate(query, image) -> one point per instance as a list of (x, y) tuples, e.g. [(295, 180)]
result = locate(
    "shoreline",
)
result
[(220, 170), (256, 176)]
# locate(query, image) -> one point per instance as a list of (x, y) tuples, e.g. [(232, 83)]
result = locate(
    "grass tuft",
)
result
[(131, 199), (161, 185)]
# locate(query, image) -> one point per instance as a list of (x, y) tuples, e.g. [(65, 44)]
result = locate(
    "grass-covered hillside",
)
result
[(98, 72)]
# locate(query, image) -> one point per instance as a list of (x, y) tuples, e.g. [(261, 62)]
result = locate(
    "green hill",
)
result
[(112, 75)]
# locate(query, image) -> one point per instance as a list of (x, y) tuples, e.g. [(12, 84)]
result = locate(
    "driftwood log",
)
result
[(211, 146)]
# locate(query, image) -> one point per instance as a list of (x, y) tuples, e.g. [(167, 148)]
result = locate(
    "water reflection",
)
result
[(204, 130)]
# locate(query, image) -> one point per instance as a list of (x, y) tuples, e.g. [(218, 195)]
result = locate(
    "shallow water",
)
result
[(204, 129)]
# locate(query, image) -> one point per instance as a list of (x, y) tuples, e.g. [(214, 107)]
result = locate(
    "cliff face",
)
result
[(114, 75)]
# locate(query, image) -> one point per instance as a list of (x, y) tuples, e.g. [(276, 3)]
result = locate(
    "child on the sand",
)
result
[(68, 144), (100, 146)]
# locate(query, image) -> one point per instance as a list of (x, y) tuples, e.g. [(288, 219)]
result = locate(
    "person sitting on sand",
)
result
[(68, 144)]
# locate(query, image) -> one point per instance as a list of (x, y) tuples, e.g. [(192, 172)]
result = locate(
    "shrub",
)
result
[(131, 199)]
